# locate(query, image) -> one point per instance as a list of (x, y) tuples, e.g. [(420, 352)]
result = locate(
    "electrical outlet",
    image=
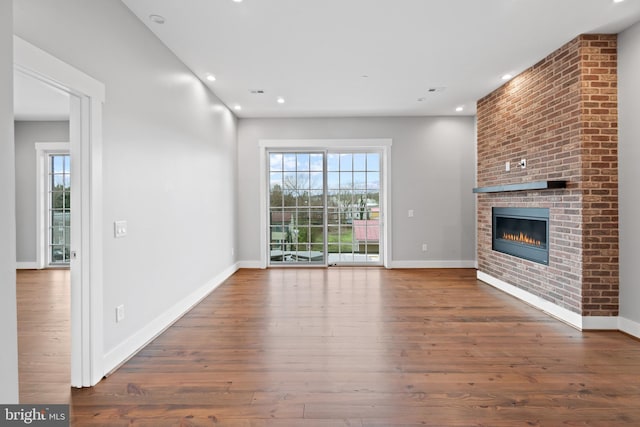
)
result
[(424, 247), (507, 166), (119, 313), (233, 251), (410, 213), (523, 163)]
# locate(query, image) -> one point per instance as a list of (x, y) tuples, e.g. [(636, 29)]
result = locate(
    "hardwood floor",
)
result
[(44, 335), (368, 347)]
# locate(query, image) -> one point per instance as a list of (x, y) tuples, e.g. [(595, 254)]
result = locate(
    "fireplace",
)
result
[(522, 232)]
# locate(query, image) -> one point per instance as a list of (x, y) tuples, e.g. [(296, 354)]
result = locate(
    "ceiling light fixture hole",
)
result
[(157, 19)]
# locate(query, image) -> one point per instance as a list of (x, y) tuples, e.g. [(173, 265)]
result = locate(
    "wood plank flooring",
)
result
[(44, 335), (368, 347)]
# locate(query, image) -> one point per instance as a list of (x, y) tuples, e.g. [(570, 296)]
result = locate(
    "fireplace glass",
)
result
[(522, 232)]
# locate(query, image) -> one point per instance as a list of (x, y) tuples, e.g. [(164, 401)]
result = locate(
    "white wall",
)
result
[(433, 173), (27, 133), (169, 161), (629, 173), (8, 324)]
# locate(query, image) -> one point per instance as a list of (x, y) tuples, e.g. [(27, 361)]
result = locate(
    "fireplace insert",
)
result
[(522, 232)]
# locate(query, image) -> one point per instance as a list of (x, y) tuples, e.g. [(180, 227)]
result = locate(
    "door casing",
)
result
[(85, 125)]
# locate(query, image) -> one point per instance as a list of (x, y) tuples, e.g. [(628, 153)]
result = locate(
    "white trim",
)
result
[(573, 319), (43, 149), (129, 347), (387, 196), (629, 326), (345, 144), (434, 264), (383, 144), (600, 323), (264, 215), (86, 98), (27, 266), (53, 147), (44, 66), (582, 323)]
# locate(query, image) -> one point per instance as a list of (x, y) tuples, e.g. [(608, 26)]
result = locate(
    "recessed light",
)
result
[(618, 1), (460, 108), (211, 77), (237, 107), (157, 19), (421, 99), (280, 100), (507, 77), (237, 1)]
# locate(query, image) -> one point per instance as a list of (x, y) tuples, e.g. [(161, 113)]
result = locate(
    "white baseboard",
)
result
[(128, 348), (574, 319), (250, 264), (434, 264), (561, 313), (26, 265), (600, 323), (629, 326)]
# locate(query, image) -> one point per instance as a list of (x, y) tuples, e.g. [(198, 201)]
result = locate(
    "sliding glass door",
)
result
[(324, 208)]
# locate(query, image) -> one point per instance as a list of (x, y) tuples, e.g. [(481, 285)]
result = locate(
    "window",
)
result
[(59, 208)]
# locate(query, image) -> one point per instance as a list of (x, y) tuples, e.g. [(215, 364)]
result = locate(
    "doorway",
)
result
[(43, 232), (325, 206), (86, 96)]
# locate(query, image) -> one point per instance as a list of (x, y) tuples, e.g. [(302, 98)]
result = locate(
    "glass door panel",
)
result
[(353, 208), (296, 208)]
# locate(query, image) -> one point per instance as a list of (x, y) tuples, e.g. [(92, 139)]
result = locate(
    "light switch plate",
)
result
[(119, 313), (119, 229)]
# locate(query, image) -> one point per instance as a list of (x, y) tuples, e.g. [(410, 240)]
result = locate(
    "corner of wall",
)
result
[(9, 392)]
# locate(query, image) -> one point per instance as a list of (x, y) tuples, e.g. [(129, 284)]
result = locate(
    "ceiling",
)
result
[(369, 57), (329, 58), (35, 100)]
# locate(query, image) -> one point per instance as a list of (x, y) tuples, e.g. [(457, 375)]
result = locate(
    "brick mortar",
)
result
[(561, 115)]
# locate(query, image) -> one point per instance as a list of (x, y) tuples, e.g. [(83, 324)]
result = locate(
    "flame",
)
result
[(521, 238)]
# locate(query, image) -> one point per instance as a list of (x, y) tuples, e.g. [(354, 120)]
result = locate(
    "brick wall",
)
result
[(560, 115)]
